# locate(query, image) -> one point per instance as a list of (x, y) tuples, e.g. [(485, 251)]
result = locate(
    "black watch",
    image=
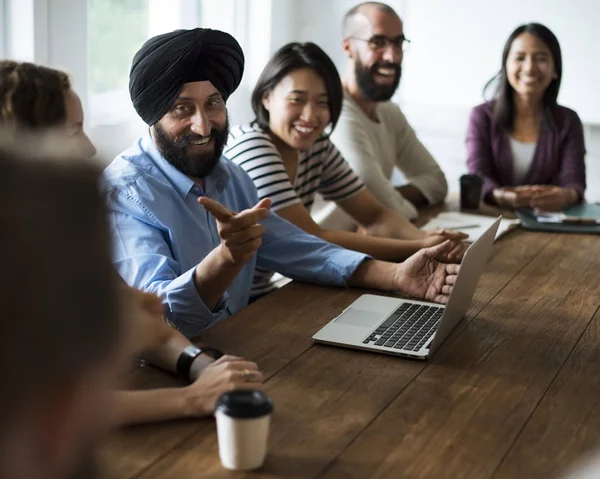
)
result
[(187, 357)]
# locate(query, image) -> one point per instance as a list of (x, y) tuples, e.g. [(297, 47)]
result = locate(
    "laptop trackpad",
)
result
[(356, 317)]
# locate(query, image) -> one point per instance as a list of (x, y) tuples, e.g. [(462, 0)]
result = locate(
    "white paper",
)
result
[(549, 217), (554, 217), (473, 225)]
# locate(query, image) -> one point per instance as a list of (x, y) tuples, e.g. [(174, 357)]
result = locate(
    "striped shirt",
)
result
[(321, 169)]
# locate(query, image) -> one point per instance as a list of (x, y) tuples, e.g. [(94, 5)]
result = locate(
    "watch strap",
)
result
[(189, 354)]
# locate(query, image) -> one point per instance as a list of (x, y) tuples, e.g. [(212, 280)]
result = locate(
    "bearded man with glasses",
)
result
[(372, 133)]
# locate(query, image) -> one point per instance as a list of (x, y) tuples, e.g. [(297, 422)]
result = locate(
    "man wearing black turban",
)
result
[(166, 62), (160, 70), (187, 222)]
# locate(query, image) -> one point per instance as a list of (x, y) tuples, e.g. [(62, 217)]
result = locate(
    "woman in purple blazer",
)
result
[(528, 149)]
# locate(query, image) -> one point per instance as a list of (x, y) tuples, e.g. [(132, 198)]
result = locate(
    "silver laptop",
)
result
[(409, 328)]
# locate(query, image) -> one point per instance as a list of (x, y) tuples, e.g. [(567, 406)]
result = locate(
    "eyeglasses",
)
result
[(379, 43)]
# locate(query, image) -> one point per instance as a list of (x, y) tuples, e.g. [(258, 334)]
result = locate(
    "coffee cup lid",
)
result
[(244, 404), (470, 177)]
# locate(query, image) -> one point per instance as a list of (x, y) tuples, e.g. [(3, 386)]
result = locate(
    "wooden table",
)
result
[(512, 393)]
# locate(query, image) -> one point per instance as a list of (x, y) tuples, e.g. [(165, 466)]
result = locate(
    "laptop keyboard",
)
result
[(408, 328)]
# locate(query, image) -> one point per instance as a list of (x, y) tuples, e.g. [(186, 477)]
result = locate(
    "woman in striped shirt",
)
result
[(290, 159)]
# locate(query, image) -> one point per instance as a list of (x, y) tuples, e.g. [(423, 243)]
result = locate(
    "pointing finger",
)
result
[(247, 218), (216, 209), (264, 203)]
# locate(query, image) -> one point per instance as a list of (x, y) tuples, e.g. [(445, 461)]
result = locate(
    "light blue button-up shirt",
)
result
[(161, 233)]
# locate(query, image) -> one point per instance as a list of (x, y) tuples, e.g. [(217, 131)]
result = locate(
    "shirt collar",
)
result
[(217, 179)]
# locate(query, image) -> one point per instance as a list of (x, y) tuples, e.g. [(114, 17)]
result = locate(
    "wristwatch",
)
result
[(189, 354)]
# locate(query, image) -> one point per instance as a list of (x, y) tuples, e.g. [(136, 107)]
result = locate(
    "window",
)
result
[(117, 28), (116, 31)]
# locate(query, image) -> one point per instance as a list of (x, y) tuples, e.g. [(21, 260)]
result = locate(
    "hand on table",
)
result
[(456, 251), (514, 197), (422, 276), (552, 198), (226, 374), (447, 234), (543, 197)]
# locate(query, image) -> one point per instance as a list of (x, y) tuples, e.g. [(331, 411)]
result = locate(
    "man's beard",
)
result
[(197, 165), (371, 90)]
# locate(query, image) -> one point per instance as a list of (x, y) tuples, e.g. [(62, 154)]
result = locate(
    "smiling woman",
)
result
[(528, 149), (290, 158)]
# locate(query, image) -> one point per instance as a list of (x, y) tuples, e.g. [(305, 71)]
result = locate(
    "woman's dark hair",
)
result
[(292, 57), (32, 96), (504, 108)]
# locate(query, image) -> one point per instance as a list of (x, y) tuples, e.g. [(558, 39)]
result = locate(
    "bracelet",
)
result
[(187, 357)]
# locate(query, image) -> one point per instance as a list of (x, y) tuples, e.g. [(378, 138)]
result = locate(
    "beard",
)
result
[(371, 90), (197, 165)]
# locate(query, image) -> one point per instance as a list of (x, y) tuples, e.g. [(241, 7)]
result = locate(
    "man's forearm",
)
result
[(374, 274), (392, 225), (413, 194), (213, 276)]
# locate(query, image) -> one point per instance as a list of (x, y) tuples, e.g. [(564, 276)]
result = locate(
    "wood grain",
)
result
[(565, 427), (482, 406), (323, 400), (130, 450), (460, 416)]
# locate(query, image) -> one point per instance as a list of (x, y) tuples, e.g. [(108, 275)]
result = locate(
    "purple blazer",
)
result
[(558, 158)]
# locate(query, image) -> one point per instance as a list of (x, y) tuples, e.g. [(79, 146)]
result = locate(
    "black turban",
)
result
[(166, 62)]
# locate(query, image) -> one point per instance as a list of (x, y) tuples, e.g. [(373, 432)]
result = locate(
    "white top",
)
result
[(373, 149), (321, 169), (522, 159)]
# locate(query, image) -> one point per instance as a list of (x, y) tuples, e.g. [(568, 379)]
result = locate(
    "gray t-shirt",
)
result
[(373, 149)]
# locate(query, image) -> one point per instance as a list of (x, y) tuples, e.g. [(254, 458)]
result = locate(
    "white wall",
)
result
[(457, 47)]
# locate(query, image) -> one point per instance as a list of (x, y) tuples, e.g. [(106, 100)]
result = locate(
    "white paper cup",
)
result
[(243, 419)]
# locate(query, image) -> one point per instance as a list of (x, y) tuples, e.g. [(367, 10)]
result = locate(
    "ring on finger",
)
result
[(247, 375)]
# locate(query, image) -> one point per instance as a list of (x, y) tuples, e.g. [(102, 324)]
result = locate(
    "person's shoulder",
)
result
[(485, 109), (231, 168), (351, 112), (245, 132), (244, 139), (238, 177), (134, 175), (127, 167), (389, 109), (564, 114), (392, 118), (482, 114), (352, 124), (349, 106)]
